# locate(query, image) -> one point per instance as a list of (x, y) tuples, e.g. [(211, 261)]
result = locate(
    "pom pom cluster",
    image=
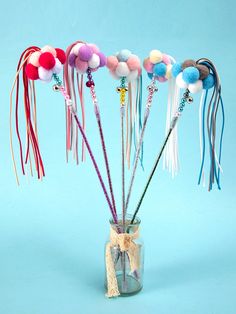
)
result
[(124, 64), (193, 76), (84, 56), (159, 65), (44, 63)]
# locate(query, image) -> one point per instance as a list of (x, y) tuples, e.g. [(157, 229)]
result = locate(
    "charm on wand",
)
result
[(198, 76)]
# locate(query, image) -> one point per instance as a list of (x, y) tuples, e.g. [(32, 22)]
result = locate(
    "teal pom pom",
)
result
[(123, 55), (191, 75), (208, 82), (176, 69), (159, 69), (150, 75)]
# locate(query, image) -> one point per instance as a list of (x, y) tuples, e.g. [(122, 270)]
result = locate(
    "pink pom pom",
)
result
[(112, 63), (47, 60), (61, 56), (133, 63), (81, 66), (31, 72), (166, 59), (148, 66), (161, 79), (94, 48)]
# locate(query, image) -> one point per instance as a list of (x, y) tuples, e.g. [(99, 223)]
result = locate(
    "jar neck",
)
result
[(129, 227)]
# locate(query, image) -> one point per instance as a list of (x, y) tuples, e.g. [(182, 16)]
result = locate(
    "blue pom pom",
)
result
[(191, 75), (176, 69), (159, 69), (150, 75), (208, 82), (123, 55)]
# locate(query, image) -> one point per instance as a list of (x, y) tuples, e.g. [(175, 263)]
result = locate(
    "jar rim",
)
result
[(129, 217)]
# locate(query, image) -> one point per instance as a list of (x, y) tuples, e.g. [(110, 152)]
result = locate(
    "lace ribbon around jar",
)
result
[(126, 243)]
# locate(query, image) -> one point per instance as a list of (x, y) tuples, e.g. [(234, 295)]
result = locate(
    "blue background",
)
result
[(52, 233)]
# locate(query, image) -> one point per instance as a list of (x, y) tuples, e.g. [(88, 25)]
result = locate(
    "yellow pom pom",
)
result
[(155, 56), (168, 71)]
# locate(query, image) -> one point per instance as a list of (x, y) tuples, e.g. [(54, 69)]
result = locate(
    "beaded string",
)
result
[(90, 84), (69, 103), (152, 88), (186, 98)]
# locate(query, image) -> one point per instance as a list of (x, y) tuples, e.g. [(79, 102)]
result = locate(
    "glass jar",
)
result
[(124, 258)]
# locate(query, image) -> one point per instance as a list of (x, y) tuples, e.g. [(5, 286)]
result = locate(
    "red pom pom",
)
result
[(61, 55), (31, 71), (47, 60)]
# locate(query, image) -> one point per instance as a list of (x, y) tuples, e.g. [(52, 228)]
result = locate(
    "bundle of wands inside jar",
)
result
[(81, 60)]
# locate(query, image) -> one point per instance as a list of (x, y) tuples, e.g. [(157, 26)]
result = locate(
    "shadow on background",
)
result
[(32, 259), (195, 268)]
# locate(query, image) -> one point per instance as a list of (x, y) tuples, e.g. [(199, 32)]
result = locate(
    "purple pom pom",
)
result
[(103, 59), (71, 60), (85, 53)]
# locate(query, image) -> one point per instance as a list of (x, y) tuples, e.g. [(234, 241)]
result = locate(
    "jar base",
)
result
[(131, 286)]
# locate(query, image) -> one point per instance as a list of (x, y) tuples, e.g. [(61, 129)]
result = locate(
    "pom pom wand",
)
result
[(125, 67), (86, 59), (44, 64), (158, 67), (195, 77)]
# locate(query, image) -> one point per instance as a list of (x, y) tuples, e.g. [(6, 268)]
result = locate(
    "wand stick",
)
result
[(91, 84), (185, 98), (122, 90), (152, 88), (69, 104)]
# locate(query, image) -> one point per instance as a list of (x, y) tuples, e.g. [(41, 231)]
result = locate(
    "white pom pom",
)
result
[(180, 82), (49, 49), (132, 76), (116, 77), (57, 67), (122, 69), (76, 47), (196, 87), (94, 61), (45, 75)]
